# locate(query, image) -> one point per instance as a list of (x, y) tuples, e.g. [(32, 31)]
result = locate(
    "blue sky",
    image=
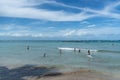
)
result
[(60, 19)]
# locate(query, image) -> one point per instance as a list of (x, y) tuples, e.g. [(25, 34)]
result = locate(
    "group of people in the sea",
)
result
[(28, 47), (89, 53), (79, 51), (44, 55)]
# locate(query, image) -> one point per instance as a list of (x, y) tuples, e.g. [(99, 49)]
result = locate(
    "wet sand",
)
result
[(78, 75), (83, 74), (29, 72)]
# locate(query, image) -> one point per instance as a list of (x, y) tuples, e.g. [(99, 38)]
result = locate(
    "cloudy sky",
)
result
[(60, 19)]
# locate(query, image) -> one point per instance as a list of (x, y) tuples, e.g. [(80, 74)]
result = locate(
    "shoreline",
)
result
[(30, 72), (83, 74)]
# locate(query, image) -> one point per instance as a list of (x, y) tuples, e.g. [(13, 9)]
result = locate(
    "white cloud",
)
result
[(91, 31), (44, 14), (84, 22), (68, 32), (12, 27), (21, 3), (6, 27), (37, 35), (105, 12), (20, 34), (14, 30), (26, 9), (91, 25), (51, 27), (112, 6), (24, 31)]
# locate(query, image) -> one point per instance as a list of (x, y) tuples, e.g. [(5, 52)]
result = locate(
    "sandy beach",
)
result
[(29, 72), (78, 75)]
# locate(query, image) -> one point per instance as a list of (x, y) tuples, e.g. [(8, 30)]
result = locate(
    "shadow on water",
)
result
[(26, 71)]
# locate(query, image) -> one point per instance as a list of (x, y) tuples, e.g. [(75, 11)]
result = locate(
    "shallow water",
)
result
[(106, 54)]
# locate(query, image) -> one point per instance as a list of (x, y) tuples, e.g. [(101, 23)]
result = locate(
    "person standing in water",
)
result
[(60, 51), (79, 50), (89, 60), (88, 52), (28, 47), (44, 55), (74, 49)]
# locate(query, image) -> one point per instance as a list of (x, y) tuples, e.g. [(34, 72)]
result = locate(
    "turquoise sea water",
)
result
[(106, 54)]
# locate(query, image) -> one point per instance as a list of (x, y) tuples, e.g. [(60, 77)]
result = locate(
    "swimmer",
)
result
[(44, 55), (74, 49), (79, 50), (88, 52), (60, 51), (28, 47)]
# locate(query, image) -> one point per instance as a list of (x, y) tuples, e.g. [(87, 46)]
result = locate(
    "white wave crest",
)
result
[(84, 50)]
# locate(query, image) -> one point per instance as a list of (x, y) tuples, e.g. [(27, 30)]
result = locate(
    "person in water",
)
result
[(112, 44), (74, 49), (79, 50), (28, 47), (44, 55), (60, 51), (88, 52)]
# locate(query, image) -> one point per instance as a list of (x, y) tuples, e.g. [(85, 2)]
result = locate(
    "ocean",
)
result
[(105, 54)]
